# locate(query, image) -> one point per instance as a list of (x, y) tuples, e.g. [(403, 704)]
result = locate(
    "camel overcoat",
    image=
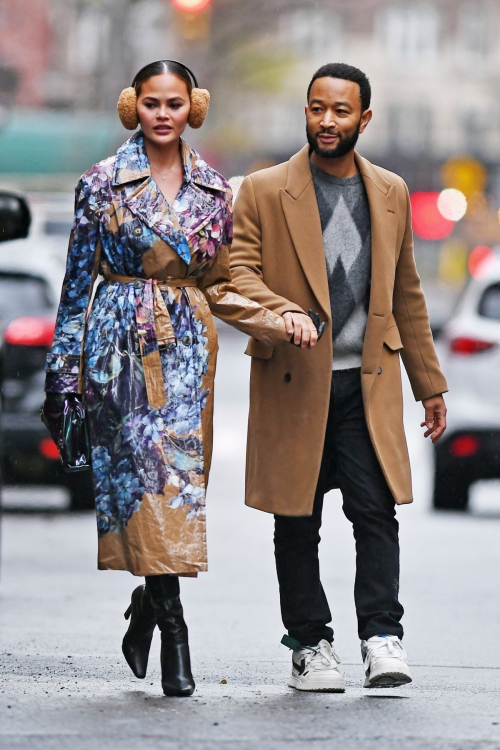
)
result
[(278, 260)]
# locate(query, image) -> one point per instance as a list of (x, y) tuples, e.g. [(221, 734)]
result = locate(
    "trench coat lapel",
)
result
[(300, 208), (382, 201), (142, 196)]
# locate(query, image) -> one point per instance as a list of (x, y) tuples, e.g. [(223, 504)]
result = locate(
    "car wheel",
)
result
[(81, 491), (451, 490)]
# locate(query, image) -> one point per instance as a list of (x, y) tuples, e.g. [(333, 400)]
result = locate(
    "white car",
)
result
[(469, 350)]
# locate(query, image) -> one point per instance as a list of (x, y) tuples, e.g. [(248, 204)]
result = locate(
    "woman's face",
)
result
[(163, 107)]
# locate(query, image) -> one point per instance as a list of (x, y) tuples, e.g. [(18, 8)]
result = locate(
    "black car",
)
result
[(27, 312)]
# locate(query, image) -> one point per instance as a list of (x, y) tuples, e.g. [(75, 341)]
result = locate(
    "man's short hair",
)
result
[(346, 73)]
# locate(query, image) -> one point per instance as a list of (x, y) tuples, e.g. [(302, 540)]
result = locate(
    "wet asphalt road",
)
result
[(64, 683)]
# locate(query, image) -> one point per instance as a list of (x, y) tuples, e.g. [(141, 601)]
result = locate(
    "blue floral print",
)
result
[(150, 464)]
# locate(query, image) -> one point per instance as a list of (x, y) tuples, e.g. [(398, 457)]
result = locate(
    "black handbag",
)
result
[(64, 416)]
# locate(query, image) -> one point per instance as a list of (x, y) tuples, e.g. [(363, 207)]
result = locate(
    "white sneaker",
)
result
[(385, 661), (315, 669)]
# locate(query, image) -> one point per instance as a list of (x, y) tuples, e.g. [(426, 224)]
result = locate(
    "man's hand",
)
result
[(301, 327), (435, 417)]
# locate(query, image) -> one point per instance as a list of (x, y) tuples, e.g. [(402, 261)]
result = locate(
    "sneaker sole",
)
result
[(387, 680), (297, 685)]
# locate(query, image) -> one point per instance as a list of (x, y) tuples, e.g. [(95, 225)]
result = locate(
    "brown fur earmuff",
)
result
[(200, 101), (127, 108)]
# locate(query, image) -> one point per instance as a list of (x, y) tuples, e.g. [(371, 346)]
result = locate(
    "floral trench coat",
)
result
[(144, 352)]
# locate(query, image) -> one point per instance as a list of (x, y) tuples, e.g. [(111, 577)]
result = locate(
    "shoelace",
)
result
[(325, 652), (390, 644)]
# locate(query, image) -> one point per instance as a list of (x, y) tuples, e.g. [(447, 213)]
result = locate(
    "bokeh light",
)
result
[(465, 174), (427, 220), (479, 260), (452, 204), (191, 6)]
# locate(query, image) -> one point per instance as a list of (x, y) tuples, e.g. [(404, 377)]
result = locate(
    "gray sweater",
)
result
[(345, 222)]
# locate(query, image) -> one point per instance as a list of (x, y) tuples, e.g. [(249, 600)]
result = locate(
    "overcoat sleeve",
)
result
[(410, 312), (227, 301), (246, 254), (64, 363)]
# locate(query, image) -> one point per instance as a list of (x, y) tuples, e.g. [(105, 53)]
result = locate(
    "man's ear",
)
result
[(365, 119)]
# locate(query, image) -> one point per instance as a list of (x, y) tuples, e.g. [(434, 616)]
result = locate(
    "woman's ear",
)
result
[(200, 100), (127, 108)]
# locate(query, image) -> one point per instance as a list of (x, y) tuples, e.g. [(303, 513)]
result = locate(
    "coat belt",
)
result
[(154, 327)]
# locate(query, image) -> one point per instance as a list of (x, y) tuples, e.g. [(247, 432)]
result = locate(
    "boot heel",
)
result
[(128, 612)]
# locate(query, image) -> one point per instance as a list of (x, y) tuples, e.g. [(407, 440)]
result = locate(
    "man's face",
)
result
[(334, 118)]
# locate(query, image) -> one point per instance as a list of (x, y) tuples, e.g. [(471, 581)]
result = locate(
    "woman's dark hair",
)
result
[(346, 73), (159, 67)]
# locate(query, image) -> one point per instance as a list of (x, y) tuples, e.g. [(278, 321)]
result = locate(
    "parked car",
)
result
[(31, 274), (470, 355)]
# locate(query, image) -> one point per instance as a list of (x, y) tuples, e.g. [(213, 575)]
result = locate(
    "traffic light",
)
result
[(192, 18)]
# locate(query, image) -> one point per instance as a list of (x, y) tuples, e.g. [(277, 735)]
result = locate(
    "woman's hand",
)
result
[(301, 327)]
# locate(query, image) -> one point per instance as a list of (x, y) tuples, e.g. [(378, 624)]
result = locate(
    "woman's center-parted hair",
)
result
[(346, 73), (159, 67)]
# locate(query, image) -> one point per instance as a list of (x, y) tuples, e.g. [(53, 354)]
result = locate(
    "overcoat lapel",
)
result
[(382, 200), (300, 208)]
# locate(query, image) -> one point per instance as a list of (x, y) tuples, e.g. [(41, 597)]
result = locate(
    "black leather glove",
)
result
[(320, 327), (52, 414)]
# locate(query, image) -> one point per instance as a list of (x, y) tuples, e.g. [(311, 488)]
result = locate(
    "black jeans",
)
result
[(349, 461)]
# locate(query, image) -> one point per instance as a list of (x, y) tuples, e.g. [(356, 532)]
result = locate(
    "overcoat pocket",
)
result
[(259, 349), (392, 339)]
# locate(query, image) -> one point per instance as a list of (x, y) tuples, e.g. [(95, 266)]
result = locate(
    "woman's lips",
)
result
[(162, 129)]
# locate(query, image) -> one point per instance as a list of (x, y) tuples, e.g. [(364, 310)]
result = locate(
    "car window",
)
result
[(58, 227), (22, 295), (489, 305)]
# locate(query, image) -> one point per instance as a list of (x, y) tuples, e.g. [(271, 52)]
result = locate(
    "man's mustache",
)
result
[(328, 132)]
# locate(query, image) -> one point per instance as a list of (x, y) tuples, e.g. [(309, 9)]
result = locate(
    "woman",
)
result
[(156, 220)]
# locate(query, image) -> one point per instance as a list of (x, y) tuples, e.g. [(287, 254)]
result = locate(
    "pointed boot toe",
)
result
[(176, 675)]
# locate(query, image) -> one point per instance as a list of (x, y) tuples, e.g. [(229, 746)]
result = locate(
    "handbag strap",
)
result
[(95, 273)]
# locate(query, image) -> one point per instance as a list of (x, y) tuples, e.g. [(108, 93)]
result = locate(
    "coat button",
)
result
[(186, 340), (287, 377), (137, 231), (379, 371), (138, 284)]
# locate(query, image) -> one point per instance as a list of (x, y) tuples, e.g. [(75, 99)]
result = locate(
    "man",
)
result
[(329, 231)]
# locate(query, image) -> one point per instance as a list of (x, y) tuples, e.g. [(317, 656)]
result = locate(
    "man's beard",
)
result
[(345, 143)]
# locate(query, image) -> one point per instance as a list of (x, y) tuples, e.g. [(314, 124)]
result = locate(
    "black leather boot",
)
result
[(176, 676), (137, 640)]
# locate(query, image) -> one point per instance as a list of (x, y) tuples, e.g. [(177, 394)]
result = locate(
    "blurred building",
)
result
[(434, 66)]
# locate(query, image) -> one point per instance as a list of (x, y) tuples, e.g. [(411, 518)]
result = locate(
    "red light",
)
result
[(464, 446), (427, 220), (479, 259), (30, 331), (468, 345), (48, 448), (191, 6)]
